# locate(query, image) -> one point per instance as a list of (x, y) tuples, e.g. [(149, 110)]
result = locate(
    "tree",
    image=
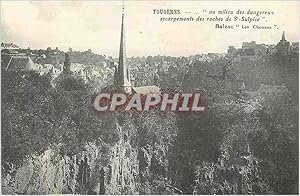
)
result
[(67, 64)]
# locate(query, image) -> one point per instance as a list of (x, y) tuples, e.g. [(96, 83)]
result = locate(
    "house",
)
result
[(10, 46), (146, 90), (20, 63)]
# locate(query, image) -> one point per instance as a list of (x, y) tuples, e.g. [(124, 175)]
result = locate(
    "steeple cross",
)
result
[(123, 7)]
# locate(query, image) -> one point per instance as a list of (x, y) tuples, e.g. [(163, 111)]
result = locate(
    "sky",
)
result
[(95, 25)]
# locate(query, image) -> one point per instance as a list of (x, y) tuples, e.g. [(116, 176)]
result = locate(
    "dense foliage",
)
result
[(228, 149), (36, 116)]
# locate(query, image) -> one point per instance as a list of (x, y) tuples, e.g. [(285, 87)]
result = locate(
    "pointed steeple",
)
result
[(283, 36), (122, 79)]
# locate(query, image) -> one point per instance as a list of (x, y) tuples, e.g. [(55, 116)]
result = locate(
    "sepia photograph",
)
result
[(149, 97)]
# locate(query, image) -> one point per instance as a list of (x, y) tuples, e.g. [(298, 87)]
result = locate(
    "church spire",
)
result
[(122, 76), (283, 36)]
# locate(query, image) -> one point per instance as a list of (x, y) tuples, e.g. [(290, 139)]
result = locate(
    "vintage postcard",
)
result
[(150, 97)]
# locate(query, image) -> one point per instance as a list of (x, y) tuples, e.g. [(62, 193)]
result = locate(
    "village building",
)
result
[(20, 64), (283, 47), (9, 46), (250, 49)]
